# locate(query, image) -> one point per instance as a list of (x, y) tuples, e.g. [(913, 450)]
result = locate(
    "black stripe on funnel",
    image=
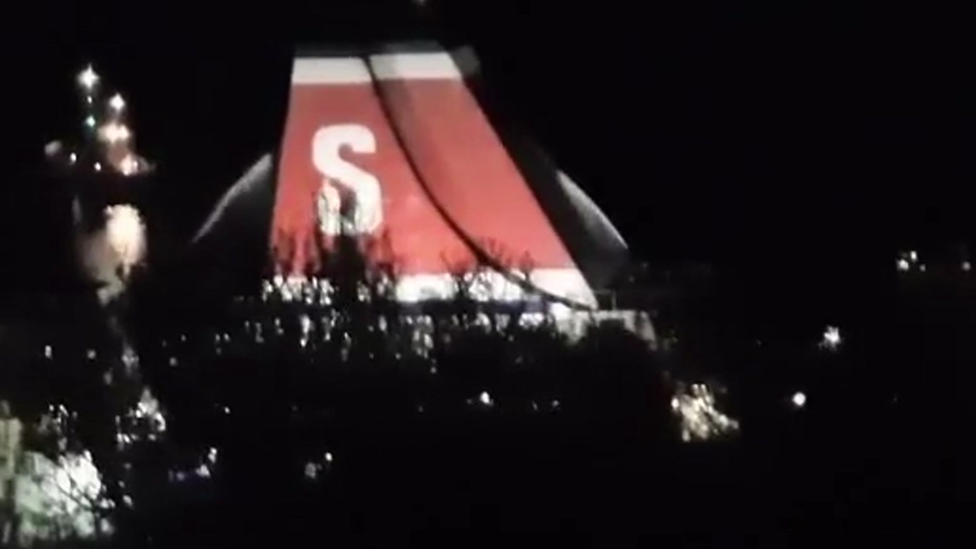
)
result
[(590, 242), (480, 254)]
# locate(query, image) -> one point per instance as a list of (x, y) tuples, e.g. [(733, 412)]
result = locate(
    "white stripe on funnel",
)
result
[(336, 70), (387, 66), (415, 66)]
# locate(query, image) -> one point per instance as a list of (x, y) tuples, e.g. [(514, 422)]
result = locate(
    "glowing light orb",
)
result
[(116, 103), (129, 165), (126, 235), (799, 399), (831, 338), (88, 78), (114, 132), (53, 148)]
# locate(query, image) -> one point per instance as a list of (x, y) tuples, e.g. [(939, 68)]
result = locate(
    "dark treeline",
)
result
[(384, 429)]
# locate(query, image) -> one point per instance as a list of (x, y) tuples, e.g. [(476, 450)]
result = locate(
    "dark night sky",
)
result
[(755, 130)]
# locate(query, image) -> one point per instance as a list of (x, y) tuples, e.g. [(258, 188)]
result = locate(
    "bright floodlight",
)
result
[(903, 265), (913, 255), (129, 165), (126, 234), (831, 338), (116, 102), (485, 398), (799, 399), (700, 419), (113, 133), (88, 78)]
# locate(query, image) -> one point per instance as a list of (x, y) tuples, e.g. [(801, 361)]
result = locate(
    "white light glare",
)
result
[(90, 121), (114, 132), (799, 399), (967, 266), (88, 78), (903, 265), (485, 398), (116, 102), (125, 232), (699, 417), (129, 165), (831, 338), (913, 256)]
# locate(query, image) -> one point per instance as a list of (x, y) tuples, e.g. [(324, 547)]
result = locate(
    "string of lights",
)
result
[(108, 142)]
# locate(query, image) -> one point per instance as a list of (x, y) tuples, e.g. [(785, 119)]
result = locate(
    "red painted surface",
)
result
[(459, 156), (469, 172), (417, 235)]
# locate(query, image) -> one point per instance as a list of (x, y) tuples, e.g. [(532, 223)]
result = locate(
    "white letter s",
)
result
[(367, 214)]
